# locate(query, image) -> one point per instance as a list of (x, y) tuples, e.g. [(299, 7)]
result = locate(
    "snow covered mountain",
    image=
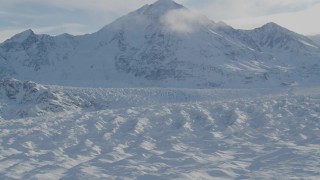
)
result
[(164, 44), (315, 38)]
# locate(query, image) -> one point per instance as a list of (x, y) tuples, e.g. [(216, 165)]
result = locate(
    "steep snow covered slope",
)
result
[(187, 134), (164, 45), (315, 38), (28, 99)]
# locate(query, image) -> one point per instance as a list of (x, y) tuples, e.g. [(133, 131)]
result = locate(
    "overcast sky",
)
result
[(86, 16)]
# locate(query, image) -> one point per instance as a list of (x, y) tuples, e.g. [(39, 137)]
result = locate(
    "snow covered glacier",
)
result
[(161, 93), (154, 133)]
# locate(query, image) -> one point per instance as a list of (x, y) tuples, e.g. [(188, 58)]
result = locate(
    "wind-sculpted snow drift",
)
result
[(249, 138)]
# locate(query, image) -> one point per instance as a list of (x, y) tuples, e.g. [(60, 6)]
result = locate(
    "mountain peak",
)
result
[(160, 8), (271, 25), (165, 2), (27, 32), (22, 36)]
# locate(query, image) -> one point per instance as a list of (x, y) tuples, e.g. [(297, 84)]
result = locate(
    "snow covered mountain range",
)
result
[(55, 123), (164, 45)]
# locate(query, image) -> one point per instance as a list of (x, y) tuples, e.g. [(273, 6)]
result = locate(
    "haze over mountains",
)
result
[(163, 44)]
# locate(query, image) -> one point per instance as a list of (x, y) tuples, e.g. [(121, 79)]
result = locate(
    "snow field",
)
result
[(259, 137)]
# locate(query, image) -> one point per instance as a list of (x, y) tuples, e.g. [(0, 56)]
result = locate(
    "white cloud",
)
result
[(74, 28), (183, 21), (3, 13)]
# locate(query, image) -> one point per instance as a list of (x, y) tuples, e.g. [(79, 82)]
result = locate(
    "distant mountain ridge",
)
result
[(315, 38), (164, 45)]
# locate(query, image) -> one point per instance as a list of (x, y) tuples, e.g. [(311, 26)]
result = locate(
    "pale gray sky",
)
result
[(86, 16)]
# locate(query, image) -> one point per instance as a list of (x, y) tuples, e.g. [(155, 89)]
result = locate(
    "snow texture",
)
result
[(169, 134)]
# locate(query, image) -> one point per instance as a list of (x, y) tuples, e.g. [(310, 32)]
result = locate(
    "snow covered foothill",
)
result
[(20, 99)]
